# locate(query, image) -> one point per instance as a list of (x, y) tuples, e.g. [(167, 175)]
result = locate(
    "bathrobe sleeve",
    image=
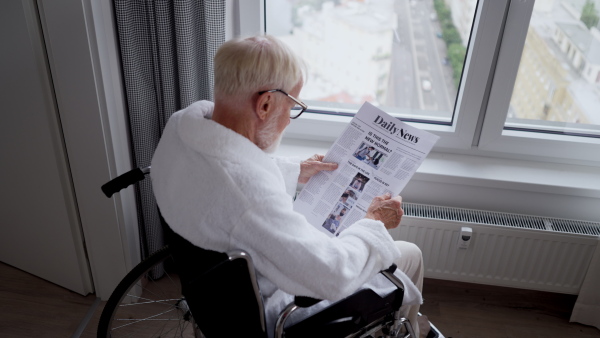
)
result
[(301, 260), (290, 170)]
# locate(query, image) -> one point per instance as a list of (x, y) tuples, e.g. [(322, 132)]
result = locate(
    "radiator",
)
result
[(521, 251)]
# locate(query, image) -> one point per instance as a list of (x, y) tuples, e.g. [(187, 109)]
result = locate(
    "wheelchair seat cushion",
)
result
[(347, 316)]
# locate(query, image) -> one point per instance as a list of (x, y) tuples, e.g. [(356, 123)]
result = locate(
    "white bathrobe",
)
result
[(221, 192)]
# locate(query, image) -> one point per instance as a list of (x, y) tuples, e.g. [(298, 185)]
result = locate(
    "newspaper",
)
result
[(376, 153)]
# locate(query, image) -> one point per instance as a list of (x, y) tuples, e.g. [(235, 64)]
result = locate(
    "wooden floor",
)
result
[(471, 311), (32, 307)]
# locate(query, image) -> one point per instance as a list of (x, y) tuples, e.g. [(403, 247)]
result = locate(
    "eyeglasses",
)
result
[(299, 104)]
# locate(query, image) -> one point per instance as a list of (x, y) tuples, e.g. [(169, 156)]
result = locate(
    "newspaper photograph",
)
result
[(376, 153)]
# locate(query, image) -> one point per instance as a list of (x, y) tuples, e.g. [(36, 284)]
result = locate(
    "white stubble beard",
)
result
[(274, 145), (268, 141)]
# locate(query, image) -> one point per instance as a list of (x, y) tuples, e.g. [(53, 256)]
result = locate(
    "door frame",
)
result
[(80, 39)]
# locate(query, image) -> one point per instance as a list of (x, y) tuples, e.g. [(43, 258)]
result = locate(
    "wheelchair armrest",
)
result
[(389, 274), (299, 302), (302, 301), (391, 269)]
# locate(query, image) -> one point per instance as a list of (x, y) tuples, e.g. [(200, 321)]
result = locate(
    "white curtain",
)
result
[(587, 308)]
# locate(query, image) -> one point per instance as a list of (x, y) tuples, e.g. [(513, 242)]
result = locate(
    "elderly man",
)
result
[(217, 186)]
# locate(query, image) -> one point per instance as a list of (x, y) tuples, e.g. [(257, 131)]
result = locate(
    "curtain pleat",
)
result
[(167, 49)]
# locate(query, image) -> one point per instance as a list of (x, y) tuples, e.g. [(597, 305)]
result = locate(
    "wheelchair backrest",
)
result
[(220, 289)]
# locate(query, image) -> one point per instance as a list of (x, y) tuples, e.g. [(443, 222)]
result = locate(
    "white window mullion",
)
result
[(513, 40), (478, 67)]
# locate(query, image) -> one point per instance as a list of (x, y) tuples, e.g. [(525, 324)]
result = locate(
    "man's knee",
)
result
[(412, 257), (409, 250)]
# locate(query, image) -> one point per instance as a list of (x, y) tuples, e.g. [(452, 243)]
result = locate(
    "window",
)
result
[(562, 120), (411, 53), (572, 100), (491, 77)]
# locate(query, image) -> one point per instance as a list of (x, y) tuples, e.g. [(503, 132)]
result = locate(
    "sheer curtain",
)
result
[(167, 49), (587, 307)]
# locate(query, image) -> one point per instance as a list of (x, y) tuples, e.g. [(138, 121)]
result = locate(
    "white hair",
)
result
[(245, 66)]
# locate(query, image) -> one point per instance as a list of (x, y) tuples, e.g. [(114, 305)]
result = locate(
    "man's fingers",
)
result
[(391, 203), (398, 198), (322, 165), (385, 196), (378, 198), (316, 157), (311, 167), (386, 209), (330, 166)]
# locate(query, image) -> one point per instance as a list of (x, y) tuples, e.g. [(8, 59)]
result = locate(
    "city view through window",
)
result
[(558, 83), (407, 57)]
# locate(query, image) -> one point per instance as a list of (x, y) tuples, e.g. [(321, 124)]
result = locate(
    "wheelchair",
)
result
[(204, 293)]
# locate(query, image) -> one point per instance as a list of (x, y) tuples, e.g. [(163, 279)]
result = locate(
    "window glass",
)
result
[(405, 56), (557, 88)]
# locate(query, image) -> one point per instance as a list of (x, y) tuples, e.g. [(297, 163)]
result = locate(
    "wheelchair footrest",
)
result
[(434, 332)]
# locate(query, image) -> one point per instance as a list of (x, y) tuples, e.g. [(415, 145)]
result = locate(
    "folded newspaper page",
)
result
[(376, 153)]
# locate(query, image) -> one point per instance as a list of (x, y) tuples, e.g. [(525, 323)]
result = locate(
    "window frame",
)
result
[(491, 65), (494, 137)]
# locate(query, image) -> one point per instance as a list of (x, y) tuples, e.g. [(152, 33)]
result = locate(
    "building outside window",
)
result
[(561, 45), (422, 61)]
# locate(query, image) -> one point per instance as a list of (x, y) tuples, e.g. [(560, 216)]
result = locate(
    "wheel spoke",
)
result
[(149, 301), (159, 311), (143, 319)]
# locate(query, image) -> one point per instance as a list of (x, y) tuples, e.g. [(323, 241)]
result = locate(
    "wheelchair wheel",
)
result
[(144, 307)]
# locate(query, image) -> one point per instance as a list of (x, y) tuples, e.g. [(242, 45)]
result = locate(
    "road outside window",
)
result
[(404, 56)]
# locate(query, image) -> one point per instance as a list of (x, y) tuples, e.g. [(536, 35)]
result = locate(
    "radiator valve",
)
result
[(464, 239)]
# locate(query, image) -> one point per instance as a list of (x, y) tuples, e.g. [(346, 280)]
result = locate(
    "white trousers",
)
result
[(411, 263)]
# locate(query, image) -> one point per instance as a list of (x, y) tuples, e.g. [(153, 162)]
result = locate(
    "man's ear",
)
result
[(264, 105)]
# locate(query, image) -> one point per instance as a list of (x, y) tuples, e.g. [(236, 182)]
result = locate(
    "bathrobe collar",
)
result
[(210, 138)]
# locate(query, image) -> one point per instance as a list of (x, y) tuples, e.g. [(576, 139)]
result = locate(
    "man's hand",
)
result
[(386, 209), (312, 166)]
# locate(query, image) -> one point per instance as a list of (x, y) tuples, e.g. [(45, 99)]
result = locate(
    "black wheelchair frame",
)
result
[(221, 291)]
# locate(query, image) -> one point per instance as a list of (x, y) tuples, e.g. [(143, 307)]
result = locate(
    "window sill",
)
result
[(485, 183), (326, 128)]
